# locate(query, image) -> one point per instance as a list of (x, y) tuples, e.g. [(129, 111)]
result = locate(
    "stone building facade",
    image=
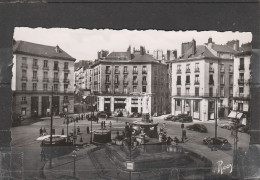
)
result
[(39, 70)]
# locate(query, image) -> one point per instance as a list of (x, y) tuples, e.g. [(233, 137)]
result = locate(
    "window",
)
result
[(23, 98), (135, 79), (135, 69), (34, 86), (125, 69), (65, 87), (23, 86), (66, 65), (24, 73), (187, 67), (178, 67), (135, 88), (34, 74), (144, 89), (23, 111), (45, 87), (56, 65), (222, 92), (178, 80), (134, 101), (125, 78), (45, 74), (187, 91), (241, 90), (241, 76), (230, 68), (116, 69), (125, 89), (116, 89), (144, 70), (107, 69), (197, 69), (66, 76), (196, 106), (144, 78), (45, 63), (116, 78), (35, 62), (242, 64), (222, 68), (230, 79), (178, 91), (178, 105), (212, 105), (55, 87), (230, 91), (55, 75), (107, 88), (210, 91), (197, 79), (211, 67), (211, 80), (107, 78), (24, 60), (222, 79), (188, 79), (197, 91)]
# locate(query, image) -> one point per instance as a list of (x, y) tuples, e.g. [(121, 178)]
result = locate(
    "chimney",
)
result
[(210, 40), (234, 44), (57, 49), (185, 46), (193, 46)]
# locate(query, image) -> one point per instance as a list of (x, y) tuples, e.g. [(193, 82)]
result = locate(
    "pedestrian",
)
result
[(97, 120), (104, 124), (41, 131), (101, 124), (42, 155), (110, 124), (44, 131), (106, 116), (78, 129), (87, 130)]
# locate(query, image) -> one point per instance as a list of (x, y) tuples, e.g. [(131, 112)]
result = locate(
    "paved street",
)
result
[(24, 142)]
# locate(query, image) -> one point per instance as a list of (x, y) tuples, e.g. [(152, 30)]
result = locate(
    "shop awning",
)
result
[(235, 115)]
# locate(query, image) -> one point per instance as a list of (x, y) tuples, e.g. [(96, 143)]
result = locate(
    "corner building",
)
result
[(121, 83), (202, 81), (37, 70)]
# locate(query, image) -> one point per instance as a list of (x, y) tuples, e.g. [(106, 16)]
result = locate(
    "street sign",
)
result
[(130, 165)]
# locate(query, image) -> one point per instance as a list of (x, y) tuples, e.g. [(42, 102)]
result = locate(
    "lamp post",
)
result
[(74, 155), (51, 126), (92, 115)]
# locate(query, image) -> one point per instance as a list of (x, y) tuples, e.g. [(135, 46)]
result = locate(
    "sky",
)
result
[(83, 44)]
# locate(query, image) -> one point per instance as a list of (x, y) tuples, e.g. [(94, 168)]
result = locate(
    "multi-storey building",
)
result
[(202, 81), (121, 83), (242, 80), (39, 70)]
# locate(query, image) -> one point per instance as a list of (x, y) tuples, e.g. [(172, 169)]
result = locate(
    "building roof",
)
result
[(223, 48), (40, 50), (144, 58), (119, 56), (201, 51)]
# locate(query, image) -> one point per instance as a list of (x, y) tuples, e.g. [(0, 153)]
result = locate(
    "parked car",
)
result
[(224, 125), (183, 118), (197, 127), (118, 114), (218, 142), (168, 118), (103, 114), (56, 141), (135, 115)]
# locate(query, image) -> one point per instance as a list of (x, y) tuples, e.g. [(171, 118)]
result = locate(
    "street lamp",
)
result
[(74, 155)]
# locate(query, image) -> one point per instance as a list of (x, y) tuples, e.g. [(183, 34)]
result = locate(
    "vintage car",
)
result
[(104, 114), (168, 118), (184, 118), (57, 140), (197, 127), (118, 114), (218, 142), (134, 115)]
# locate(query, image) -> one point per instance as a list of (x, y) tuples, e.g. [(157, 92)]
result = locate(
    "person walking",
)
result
[(106, 116), (97, 120), (41, 131), (44, 131)]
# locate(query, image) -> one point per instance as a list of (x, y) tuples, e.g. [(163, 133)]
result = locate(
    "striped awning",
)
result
[(235, 115)]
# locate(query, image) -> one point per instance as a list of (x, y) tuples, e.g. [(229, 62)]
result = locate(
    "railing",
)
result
[(222, 70), (135, 82), (196, 94), (24, 66), (211, 69), (197, 70), (45, 68), (23, 102), (178, 83), (108, 82), (116, 82), (66, 81), (35, 79), (125, 82), (196, 82), (125, 72), (187, 70), (66, 70), (178, 71), (241, 95), (108, 71), (187, 83), (55, 80), (35, 66), (211, 82), (24, 79), (56, 69), (117, 72), (135, 72), (241, 67), (24, 91), (45, 80), (144, 82), (144, 72), (240, 81)]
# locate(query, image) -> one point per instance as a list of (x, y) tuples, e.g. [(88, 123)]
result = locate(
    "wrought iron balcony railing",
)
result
[(45, 68), (24, 66)]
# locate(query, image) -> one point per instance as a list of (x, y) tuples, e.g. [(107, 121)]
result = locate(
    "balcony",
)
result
[(178, 83), (144, 72), (144, 82), (23, 102), (125, 82), (25, 66), (45, 80), (222, 70), (24, 79), (242, 96), (116, 82), (107, 82), (135, 72), (108, 71), (187, 83), (241, 67), (56, 80), (117, 72), (196, 83), (66, 81), (66, 70), (35, 79), (45, 68), (56, 69), (35, 66), (240, 82), (178, 71), (222, 83), (135, 82), (125, 72), (197, 70), (211, 70), (187, 70), (211, 82)]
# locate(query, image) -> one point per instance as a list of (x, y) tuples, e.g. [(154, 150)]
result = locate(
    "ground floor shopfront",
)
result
[(32, 105), (203, 109), (242, 106)]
